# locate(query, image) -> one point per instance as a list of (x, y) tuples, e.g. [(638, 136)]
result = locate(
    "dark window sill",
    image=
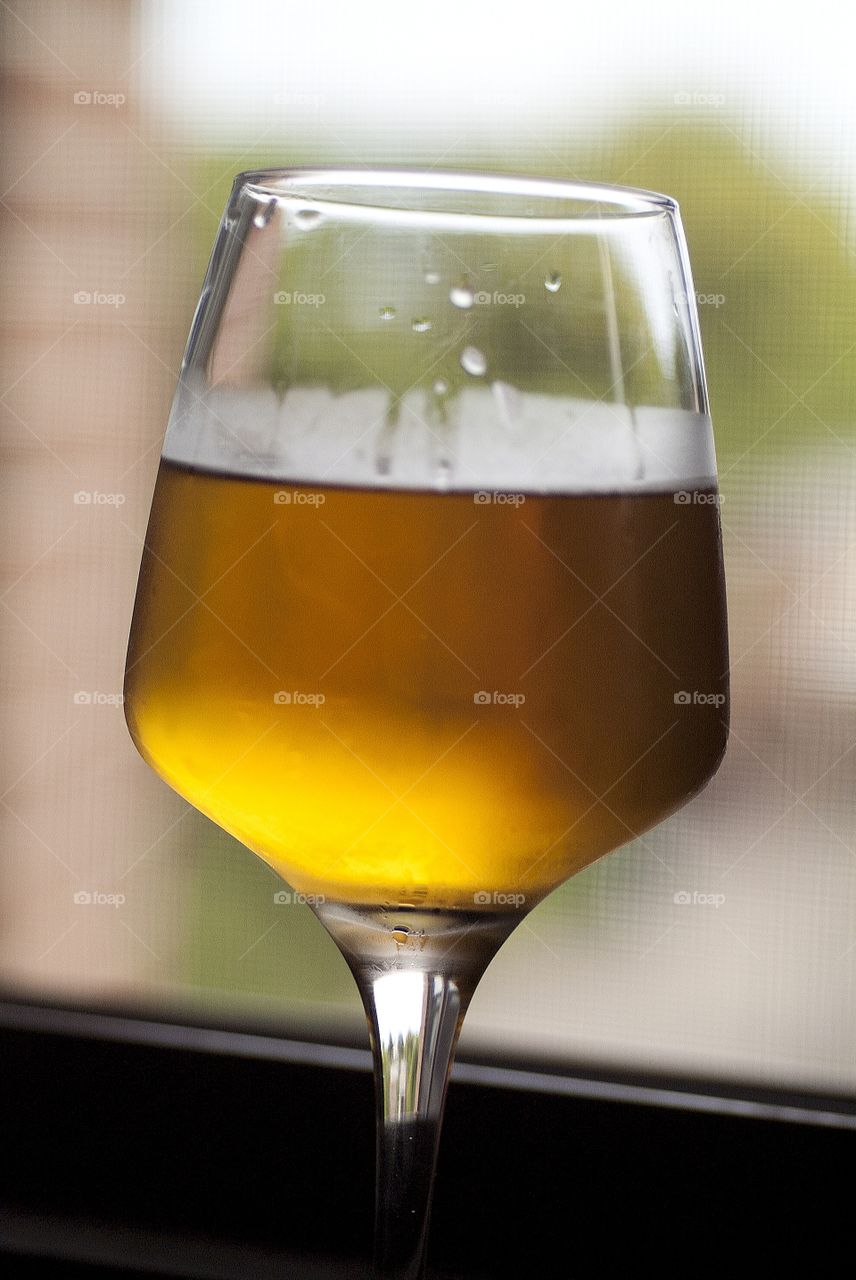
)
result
[(163, 1149)]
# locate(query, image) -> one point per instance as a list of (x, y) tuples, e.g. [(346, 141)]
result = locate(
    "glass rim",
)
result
[(363, 188)]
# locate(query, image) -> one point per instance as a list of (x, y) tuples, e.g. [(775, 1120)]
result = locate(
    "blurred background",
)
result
[(125, 122)]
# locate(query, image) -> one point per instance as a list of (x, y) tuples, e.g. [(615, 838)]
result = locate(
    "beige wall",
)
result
[(85, 391)]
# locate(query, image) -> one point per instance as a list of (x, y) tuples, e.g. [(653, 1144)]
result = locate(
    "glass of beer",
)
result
[(431, 611)]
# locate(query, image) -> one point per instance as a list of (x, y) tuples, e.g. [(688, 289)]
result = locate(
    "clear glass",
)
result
[(431, 612)]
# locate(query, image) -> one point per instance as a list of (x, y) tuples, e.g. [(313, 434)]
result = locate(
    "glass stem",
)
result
[(414, 1018), (416, 970)]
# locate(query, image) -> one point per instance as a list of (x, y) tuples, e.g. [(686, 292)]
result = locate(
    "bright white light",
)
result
[(455, 70)]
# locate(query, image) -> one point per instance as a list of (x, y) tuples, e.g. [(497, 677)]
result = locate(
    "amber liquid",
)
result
[(580, 618)]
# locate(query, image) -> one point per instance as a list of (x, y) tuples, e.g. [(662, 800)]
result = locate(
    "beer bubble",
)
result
[(307, 217), (421, 324), (473, 361), (440, 387), (461, 295), (432, 277), (553, 282), (387, 313)]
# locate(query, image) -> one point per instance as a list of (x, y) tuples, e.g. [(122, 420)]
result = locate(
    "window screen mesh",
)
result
[(125, 125)]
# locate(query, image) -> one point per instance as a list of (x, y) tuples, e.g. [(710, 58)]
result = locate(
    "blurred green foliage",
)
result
[(241, 940)]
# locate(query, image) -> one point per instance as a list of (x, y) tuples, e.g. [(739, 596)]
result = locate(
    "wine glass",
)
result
[(431, 609)]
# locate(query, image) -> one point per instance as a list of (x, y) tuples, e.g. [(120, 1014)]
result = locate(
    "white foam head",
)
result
[(477, 437)]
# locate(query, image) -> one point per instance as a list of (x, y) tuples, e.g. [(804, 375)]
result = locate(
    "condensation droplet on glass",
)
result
[(440, 387), (387, 313), (473, 361), (553, 283), (264, 215), (507, 399), (308, 217), (461, 295), (432, 277), (421, 324), (414, 938)]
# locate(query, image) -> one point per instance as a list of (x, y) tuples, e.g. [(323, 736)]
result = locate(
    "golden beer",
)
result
[(408, 697)]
